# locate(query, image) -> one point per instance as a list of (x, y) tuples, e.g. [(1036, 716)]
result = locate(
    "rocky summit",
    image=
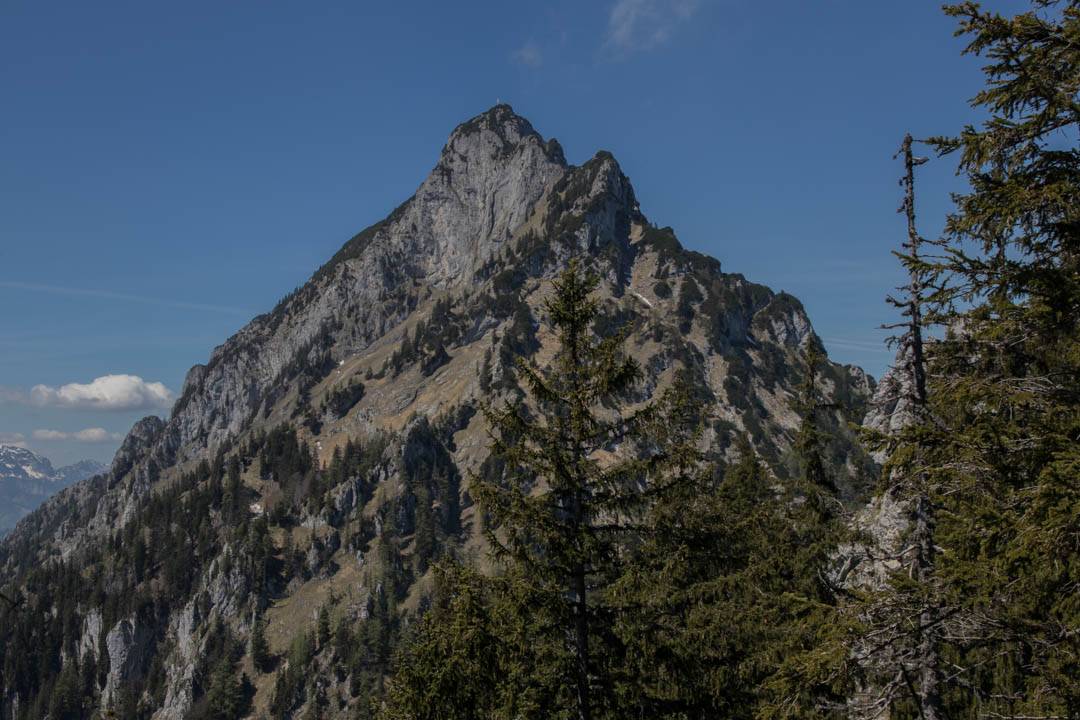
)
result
[(275, 517)]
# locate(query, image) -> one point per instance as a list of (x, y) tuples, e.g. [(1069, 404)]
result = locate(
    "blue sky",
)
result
[(168, 171)]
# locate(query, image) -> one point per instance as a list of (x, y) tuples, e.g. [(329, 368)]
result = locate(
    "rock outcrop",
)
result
[(890, 407), (129, 645)]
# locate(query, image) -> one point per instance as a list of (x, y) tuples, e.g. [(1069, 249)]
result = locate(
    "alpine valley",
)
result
[(279, 528)]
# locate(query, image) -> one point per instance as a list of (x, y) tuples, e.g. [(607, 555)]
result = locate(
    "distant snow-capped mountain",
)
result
[(27, 478)]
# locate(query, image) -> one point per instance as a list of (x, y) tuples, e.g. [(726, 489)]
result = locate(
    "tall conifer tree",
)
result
[(811, 676), (558, 517), (580, 476), (998, 447)]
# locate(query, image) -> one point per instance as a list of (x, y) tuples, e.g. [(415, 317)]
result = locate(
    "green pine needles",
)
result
[(982, 618)]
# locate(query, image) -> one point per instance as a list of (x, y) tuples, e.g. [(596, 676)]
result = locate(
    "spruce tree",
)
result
[(424, 541), (225, 700), (999, 447), (578, 474), (701, 610), (232, 496), (452, 668), (260, 649), (322, 627), (813, 675), (564, 536), (814, 480), (65, 702)]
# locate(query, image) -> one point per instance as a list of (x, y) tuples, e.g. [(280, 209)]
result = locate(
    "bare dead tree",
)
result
[(911, 301), (904, 626)]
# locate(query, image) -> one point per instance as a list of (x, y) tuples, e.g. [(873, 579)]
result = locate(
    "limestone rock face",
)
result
[(129, 645), (885, 519), (492, 171), (890, 407), (865, 382), (783, 322), (184, 633), (227, 588), (91, 634)]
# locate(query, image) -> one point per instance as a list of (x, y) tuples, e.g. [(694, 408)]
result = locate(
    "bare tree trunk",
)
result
[(914, 309), (926, 652), (578, 578), (582, 643)]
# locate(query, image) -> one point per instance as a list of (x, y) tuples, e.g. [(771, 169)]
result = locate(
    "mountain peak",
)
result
[(499, 131), (496, 116), (500, 119), (18, 461)]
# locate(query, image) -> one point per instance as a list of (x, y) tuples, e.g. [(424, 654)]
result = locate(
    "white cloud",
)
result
[(94, 435), (109, 392), (49, 435), (644, 24), (15, 439), (530, 55), (89, 435)]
